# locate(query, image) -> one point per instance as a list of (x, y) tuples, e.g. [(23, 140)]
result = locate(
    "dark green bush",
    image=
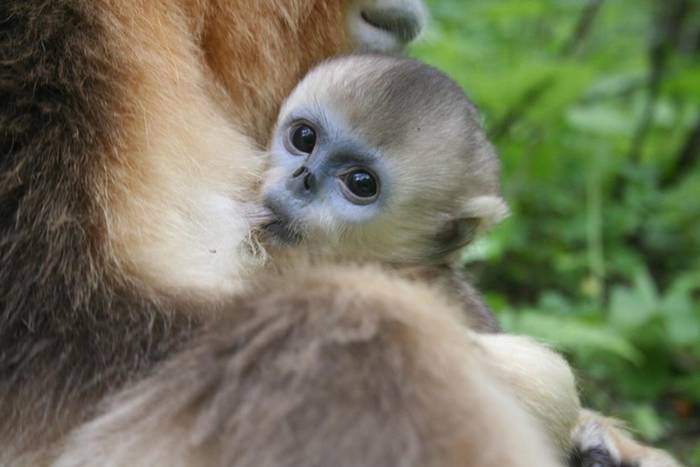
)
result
[(595, 110)]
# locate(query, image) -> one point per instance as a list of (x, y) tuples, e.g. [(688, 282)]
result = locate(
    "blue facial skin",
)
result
[(315, 180)]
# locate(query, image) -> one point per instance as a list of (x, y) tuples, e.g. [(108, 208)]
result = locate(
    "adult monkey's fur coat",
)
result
[(128, 143), (128, 136)]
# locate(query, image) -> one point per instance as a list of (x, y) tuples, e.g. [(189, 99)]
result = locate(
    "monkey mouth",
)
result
[(281, 231)]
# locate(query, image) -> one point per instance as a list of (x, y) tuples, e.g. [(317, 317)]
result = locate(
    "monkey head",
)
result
[(380, 158)]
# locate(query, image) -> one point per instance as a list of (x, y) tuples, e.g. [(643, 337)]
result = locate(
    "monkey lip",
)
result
[(280, 231), (278, 227)]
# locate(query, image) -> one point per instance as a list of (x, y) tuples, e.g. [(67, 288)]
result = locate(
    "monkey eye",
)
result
[(359, 186), (303, 138)]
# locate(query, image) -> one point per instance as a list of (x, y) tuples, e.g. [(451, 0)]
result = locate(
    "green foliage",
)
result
[(596, 115)]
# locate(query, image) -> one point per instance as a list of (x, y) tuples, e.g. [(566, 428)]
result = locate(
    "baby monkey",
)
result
[(380, 159), (383, 159)]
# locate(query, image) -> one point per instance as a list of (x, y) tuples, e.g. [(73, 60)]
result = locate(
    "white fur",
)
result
[(490, 209), (541, 378)]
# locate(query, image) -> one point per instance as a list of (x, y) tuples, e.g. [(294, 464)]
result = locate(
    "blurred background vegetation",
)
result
[(594, 107)]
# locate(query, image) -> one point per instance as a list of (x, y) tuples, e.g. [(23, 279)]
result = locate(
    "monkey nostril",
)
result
[(302, 181), (299, 171), (399, 22), (308, 181)]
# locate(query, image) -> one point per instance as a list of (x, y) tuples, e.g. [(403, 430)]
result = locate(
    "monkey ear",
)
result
[(455, 234), (477, 215), (488, 210)]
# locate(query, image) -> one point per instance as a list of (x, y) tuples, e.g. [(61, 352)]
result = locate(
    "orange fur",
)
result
[(200, 88), (138, 126)]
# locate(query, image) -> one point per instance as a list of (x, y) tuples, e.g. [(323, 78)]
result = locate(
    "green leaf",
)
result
[(570, 335), (646, 422), (629, 309), (645, 287), (602, 119), (682, 320), (695, 454)]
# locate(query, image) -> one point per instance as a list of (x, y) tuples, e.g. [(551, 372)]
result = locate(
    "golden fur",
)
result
[(130, 136), (321, 354), (186, 156)]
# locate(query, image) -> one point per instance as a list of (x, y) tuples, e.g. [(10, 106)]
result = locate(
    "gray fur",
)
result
[(307, 372)]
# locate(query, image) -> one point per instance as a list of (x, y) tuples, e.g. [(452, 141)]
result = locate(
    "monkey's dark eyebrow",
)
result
[(354, 152)]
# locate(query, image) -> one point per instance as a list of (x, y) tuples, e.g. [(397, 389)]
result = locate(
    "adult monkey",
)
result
[(128, 141)]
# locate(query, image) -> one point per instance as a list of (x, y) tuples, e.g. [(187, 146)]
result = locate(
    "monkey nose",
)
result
[(302, 182)]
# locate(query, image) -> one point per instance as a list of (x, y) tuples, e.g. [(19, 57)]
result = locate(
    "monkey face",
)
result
[(323, 182), (379, 158), (333, 193)]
